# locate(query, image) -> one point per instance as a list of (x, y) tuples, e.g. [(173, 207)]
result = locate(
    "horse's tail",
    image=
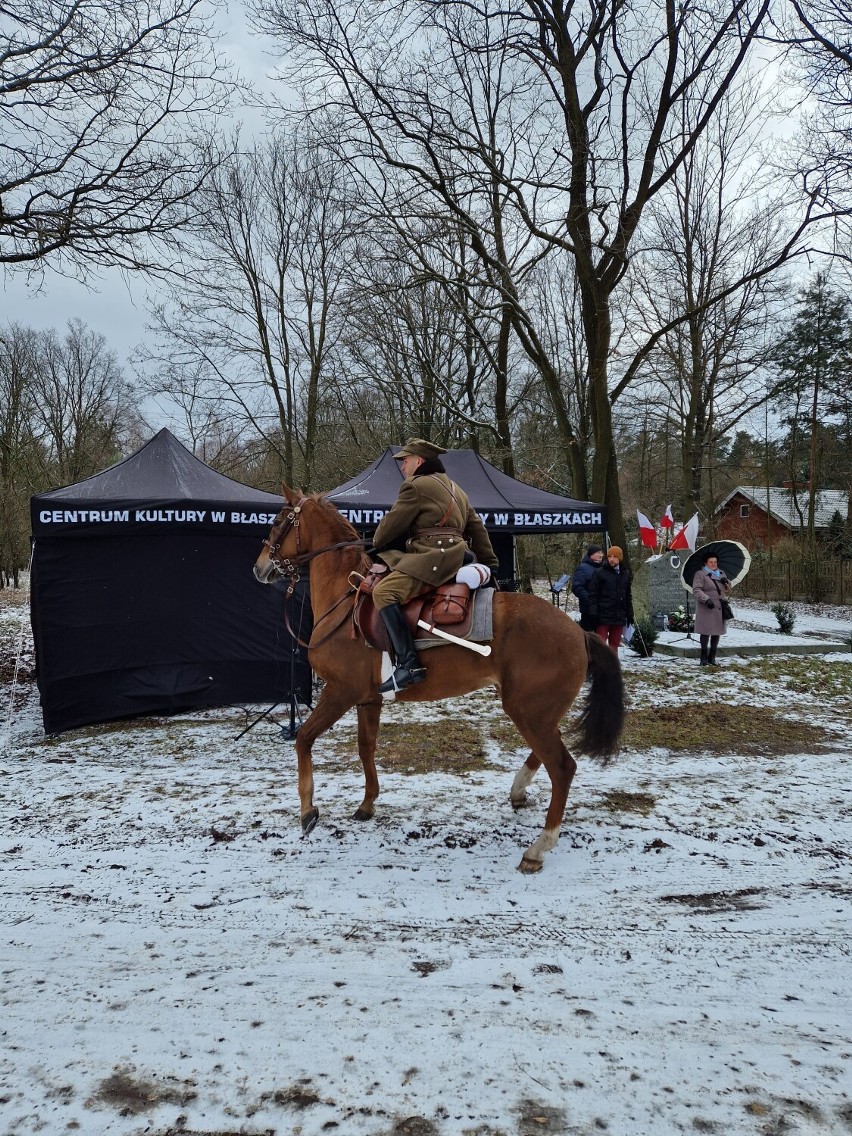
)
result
[(602, 718)]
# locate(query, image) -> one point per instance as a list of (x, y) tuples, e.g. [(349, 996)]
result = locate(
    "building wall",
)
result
[(754, 531)]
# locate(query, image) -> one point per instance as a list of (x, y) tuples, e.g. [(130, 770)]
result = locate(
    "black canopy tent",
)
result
[(142, 594), (508, 507)]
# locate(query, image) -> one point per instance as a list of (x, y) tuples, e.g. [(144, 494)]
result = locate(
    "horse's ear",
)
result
[(290, 495)]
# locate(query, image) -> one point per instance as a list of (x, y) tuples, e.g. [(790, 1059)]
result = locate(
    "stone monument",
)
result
[(666, 592)]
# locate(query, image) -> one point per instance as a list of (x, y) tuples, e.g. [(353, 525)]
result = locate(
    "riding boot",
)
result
[(702, 662), (407, 665), (714, 643)]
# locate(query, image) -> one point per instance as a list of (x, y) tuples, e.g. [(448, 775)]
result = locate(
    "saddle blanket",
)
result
[(481, 628)]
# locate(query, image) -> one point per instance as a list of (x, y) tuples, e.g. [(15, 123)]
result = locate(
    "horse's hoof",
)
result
[(530, 866), (362, 814), (309, 821), (518, 802)]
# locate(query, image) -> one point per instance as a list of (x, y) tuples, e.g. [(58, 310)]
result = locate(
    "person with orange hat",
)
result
[(611, 598), (438, 524)]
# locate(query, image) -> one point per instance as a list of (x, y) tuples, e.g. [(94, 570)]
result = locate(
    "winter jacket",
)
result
[(610, 596), (708, 620), (439, 522), (580, 587)]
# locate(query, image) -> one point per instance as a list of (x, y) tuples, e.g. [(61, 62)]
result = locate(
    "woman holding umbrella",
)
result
[(710, 586)]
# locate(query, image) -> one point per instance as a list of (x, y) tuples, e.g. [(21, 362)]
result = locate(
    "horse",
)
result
[(539, 661)]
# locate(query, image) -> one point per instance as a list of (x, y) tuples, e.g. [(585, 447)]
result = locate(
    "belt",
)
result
[(439, 532)]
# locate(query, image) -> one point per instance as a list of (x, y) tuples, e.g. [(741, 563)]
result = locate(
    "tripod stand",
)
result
[(689, 634), (288, 733)]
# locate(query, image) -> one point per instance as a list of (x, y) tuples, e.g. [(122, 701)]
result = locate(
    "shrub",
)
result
[(786, 617), (644, 637)]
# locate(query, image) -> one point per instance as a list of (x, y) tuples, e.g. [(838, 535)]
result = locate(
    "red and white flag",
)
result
[(647, 532), (687, 536), (667, 520)]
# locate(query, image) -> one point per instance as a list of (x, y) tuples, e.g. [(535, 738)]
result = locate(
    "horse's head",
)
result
[(306, 527), (285, 544)]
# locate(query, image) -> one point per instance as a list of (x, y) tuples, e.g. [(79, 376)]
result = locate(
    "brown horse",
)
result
[(538, 663)]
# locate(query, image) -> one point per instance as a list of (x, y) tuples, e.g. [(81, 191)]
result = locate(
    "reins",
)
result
[(313, 646), (290, 566)]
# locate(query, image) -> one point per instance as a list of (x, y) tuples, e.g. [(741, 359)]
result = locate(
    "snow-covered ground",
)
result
[(175, 958)]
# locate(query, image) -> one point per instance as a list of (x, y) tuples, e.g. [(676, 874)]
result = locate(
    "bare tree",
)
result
[(20, 454), (250, 334), (600, 105), (102, 103), (66, 411), (822, 37), (430, 339), (703, 298), (81, 405)]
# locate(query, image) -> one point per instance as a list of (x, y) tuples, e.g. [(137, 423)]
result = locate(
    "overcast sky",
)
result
[(114, 305)]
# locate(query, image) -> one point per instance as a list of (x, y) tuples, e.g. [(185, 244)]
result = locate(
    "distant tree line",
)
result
[(570, 236)]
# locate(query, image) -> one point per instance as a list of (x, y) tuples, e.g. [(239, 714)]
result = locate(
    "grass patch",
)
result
[(450, 746), (431, 747), (617, 801), (821, 678), (506, 734), (721, 729)]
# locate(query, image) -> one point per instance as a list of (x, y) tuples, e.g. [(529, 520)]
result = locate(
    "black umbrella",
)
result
[(734, 560)]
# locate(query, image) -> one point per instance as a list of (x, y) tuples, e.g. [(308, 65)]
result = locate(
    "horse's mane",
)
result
[(343, 529)]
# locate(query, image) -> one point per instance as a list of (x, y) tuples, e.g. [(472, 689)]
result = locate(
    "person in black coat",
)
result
[(611, 598), (580, 583)]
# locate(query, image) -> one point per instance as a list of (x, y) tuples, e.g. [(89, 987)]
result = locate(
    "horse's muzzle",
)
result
[(263, 573)]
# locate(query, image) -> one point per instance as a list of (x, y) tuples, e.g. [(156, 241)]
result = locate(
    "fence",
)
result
[(788, 580)]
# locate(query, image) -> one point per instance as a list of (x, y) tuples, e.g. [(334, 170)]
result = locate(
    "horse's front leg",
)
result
[(531, 718), (368, 728), (331, 706)]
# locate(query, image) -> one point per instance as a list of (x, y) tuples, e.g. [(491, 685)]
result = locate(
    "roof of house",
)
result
[(792, 510)]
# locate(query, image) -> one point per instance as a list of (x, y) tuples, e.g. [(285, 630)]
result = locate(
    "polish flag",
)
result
[(667, 520), (647, 532), (687, 536)]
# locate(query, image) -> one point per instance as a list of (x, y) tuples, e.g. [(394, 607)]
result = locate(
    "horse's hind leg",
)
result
[(331, 705), (561, 767), (523, 779), (540, 726), (368, 728)]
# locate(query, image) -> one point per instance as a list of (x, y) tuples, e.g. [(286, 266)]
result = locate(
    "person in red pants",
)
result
[(611, 598)]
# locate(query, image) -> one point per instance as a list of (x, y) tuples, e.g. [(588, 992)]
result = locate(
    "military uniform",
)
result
[(436, 518), (442, 525)]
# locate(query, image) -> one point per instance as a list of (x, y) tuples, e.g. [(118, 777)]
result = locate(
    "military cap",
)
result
[(419, 448)]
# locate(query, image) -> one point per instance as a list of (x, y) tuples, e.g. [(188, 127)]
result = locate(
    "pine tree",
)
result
[(813, 362)]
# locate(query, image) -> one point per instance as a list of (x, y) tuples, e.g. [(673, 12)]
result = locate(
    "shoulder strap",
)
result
[(449, 487), (453, 501)]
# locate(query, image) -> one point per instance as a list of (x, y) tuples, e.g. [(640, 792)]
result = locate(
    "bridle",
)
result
[(290, 567)]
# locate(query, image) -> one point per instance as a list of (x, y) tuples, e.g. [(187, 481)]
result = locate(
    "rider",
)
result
[(438, 522)]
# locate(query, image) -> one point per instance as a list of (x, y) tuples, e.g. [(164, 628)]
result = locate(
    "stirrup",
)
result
[(402, 678)]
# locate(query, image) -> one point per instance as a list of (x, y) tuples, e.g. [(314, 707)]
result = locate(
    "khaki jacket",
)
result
[(429, 502)]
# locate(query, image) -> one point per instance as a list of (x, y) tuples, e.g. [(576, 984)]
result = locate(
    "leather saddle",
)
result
[(448, 606)]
